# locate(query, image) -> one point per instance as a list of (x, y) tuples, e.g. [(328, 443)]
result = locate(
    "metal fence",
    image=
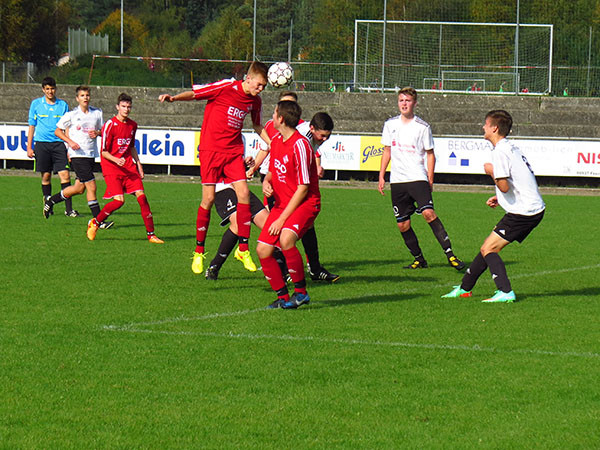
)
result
[(83, 43)]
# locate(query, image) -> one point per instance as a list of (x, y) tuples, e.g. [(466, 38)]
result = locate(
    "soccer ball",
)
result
[(280, 74)]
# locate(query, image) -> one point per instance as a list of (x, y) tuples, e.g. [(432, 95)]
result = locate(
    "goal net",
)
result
[(453, 56)]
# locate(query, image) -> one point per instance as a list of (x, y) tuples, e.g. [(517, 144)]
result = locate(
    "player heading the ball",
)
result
[(221, 149)]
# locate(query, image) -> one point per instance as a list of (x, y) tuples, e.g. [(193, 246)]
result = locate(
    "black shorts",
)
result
[(515, 227), (226, 205), (51, 156), (84, 169), (411, 197)]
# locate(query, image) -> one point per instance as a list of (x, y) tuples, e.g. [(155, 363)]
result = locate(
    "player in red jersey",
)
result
[(293, 181), (221, 149), (122, 169), (316, 131)]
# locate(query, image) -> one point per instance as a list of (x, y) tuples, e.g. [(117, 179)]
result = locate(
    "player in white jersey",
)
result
[(517, 193), (408, 143), (79, 128)]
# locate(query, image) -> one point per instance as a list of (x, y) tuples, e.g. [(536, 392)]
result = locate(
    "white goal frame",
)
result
[(515, 67)]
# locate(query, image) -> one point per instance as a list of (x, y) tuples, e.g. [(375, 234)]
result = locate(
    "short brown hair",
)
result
[(258, 68), (501, 119), (288, 94), (123, 97), (81, 88), (290, 111), (410, 91)]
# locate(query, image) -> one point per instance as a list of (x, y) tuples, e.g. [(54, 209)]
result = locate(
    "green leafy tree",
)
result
[(228, 37), (134, 32), (33, 31)]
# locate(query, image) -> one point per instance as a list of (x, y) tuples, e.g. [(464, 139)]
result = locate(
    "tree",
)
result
[(33, 31), (134, 32), (228, 37)]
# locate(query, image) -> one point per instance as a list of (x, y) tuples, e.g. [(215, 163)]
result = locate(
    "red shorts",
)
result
[(216, 167), (122, 184), (301, 220)]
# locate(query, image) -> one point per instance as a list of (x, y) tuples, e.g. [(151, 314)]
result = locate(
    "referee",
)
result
[(50, 152)]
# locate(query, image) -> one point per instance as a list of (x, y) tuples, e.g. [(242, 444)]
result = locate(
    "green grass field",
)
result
[(117, 344)]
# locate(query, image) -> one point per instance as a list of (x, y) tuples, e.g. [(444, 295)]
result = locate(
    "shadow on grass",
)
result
[(374, 298), (588, 291)]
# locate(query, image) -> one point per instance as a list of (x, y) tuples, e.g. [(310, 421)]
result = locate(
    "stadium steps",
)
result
[(449, 114)]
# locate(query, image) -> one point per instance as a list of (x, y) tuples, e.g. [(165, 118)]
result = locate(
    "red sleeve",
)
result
[(106, 137), (303, 154), (132, 143), (210, 90), (270, 129)]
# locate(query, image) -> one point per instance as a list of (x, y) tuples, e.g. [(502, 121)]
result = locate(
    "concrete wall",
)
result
[(449, 114)]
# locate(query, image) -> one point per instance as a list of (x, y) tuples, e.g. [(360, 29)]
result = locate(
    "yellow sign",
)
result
[(196, 144), (371, 150)]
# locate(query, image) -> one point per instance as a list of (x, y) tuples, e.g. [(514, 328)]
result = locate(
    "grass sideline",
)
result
[(116, 343)]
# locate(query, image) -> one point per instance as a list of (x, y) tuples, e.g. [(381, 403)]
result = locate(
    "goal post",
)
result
[(420, 53)]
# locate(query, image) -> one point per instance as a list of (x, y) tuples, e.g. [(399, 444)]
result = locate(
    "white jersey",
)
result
[(304, 129), (523, 196), (409, 143), (79, 124)]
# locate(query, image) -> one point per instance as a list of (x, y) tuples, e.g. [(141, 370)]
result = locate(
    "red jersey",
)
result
[(118, 138), (272, 131), (224, 115), (292, 164)]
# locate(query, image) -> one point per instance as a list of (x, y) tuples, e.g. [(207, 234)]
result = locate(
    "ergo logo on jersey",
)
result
[(235, 112)]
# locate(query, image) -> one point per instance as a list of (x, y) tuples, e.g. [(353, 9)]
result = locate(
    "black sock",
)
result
[(473, 273), (228, 242), (57, 198), (311, 248), (278, 255), (283, 292), (46, 190), (411, 241), (68, 201), (440, 234), (94, 207), (300, 285), (498, 271)]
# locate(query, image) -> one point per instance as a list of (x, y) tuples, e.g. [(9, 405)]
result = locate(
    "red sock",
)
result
[(272, 273), (244, 218), (108, 209), (202, 221), (293, 258), (146, 213)]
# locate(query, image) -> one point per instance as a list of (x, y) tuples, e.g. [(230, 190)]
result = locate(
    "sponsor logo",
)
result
[(371, 151), (14, 142), (588, 158), (236, 112), (157, 147), (339, 147)]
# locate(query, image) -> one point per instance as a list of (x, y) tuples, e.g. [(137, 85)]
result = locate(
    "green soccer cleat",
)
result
[(246, 259), (198, 262), (457, 292), (501, 297)]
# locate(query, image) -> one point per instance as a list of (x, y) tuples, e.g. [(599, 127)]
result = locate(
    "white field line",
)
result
[(134, 327)]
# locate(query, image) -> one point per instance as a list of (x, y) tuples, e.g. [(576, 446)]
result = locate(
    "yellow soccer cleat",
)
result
[(153, 239), (246, 259), (92, 229), (198, 262)]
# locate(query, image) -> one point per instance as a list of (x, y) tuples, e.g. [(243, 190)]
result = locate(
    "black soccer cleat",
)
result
[(324, 275), (106, 224), (72, 213), (48, 209), (212, 273), (456, 263), (417, 264)]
